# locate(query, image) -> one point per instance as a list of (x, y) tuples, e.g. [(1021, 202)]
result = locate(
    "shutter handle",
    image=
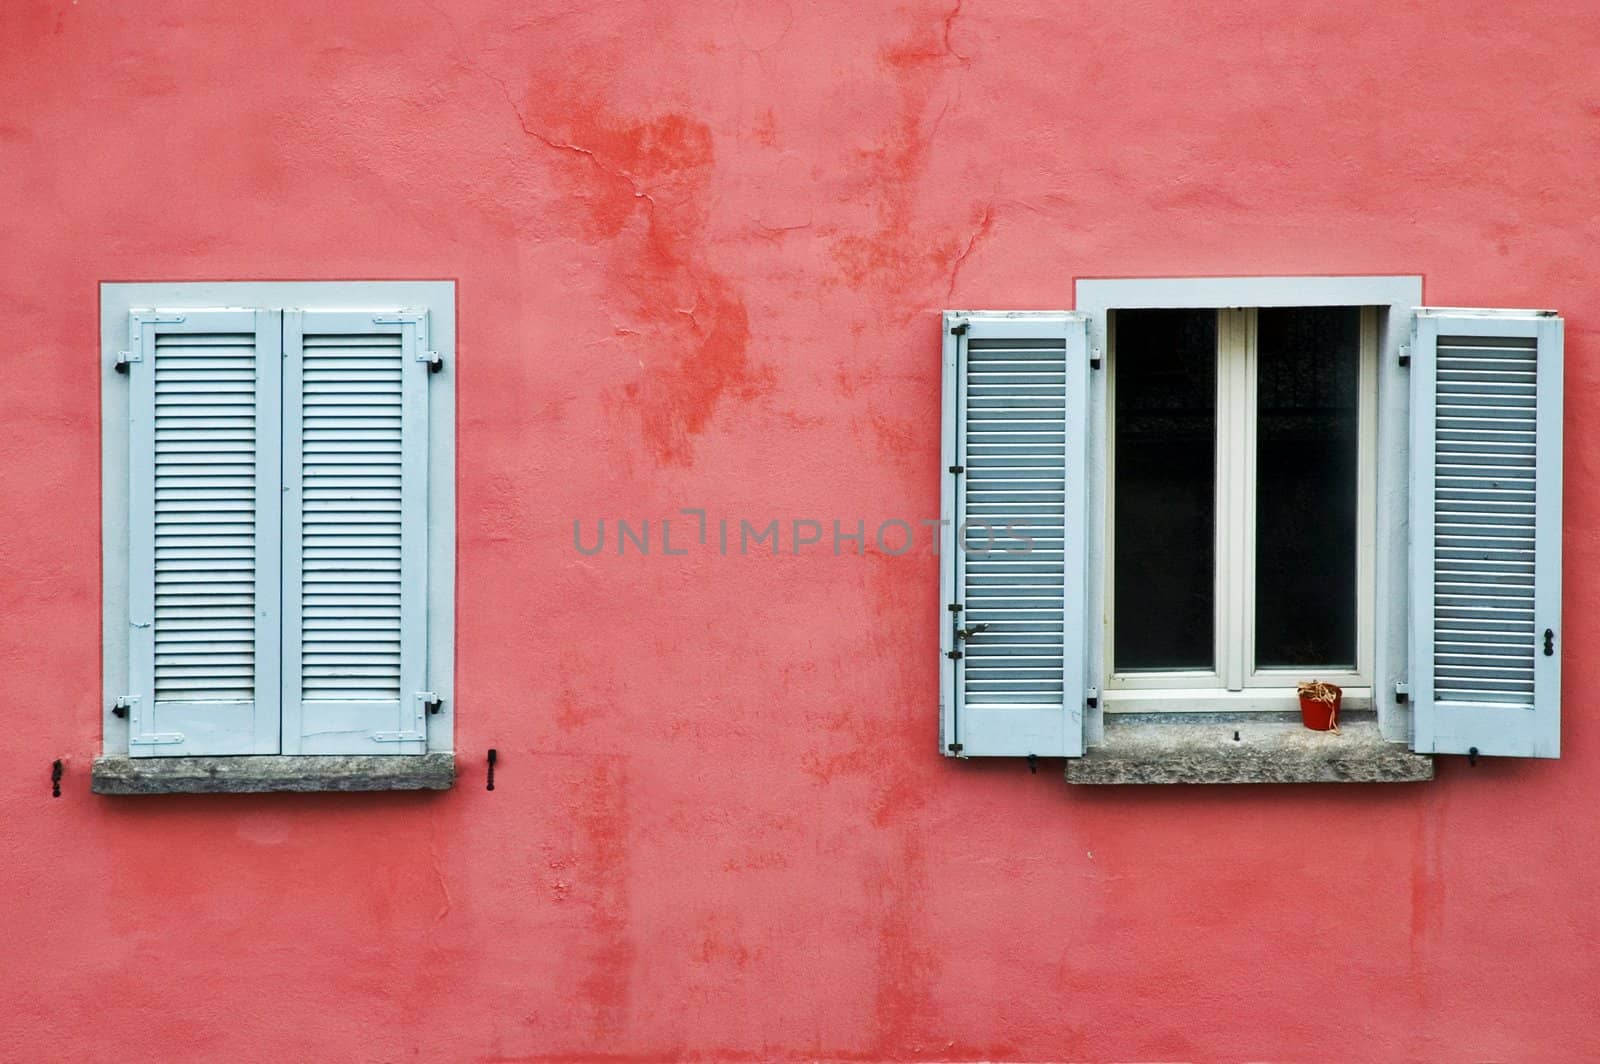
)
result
[(1549, 642), (970, 630)]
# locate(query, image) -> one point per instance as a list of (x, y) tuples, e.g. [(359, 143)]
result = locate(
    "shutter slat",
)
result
[(185, 411), (1462, 589), (355, 378)]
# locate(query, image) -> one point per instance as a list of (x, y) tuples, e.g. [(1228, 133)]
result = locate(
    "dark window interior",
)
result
[(1308, 371), (1165, 522)]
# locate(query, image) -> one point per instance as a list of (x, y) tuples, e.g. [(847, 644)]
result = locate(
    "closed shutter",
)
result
[(203, 532), (1486, 532), (1013, 553), (355, 520)]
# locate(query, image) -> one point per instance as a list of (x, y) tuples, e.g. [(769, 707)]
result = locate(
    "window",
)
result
[(1241, 447), (1192, 494), (278, 519)]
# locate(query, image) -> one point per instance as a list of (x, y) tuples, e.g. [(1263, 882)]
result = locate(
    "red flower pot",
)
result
[(1321, 716)]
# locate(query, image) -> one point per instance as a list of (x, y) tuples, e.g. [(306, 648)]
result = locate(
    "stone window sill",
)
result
[(1244, 750), (288, 772)]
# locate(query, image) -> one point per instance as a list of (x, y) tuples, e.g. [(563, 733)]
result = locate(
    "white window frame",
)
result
[(1235, 682), (117, 299), (1383, 580)]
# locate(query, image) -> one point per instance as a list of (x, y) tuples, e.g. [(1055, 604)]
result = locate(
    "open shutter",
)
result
[(355, 521), (203, 532), (1013, 556), (1486, 532)]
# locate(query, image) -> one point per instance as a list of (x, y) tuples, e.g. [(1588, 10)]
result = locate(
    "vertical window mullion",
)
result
[(1225, 493), (1246, 456), (1233, 494)]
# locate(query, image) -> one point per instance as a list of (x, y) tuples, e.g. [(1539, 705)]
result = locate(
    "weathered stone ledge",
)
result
[(1246, 752), (259, 774)]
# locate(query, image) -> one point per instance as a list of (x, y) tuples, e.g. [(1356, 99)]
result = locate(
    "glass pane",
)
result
[(1308, 370), (1165, 523)]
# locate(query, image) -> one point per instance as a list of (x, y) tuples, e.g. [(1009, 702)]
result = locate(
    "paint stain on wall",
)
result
[(897, 252), (641, 186), (595, 802)]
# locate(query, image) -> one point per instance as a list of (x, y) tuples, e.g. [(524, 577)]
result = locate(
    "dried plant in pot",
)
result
[(1319, 705)]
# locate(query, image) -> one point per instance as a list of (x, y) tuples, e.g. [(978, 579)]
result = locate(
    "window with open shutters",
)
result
[(1188, 496), (284, 520)]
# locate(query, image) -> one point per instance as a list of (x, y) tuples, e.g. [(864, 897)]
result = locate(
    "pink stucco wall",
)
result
[(700, 251)]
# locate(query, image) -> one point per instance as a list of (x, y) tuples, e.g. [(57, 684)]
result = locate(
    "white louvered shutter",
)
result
[(355, 531), (203, 532), (1013, 554), (1486, 397)]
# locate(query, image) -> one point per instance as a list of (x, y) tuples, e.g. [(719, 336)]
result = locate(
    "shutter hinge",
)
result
[(425, 702), (399, 737), (1091, 697), (400, 317), (955, 607), (1402, 693), (958, 469), (955, 748), (1094, 358), (960, 328), (953, 655), (1405, 354), (433, 360), (128, 706), (125, 359)]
